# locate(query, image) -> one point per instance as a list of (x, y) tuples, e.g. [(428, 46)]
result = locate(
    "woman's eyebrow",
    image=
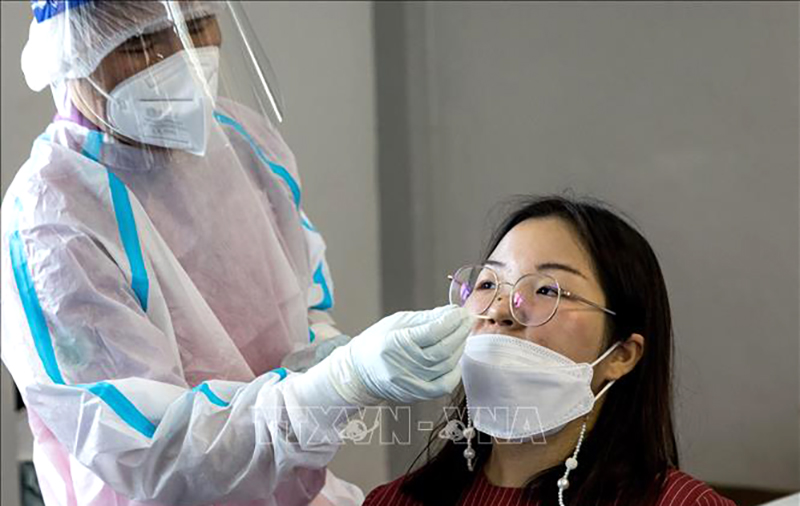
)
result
[(543, 267), (561, 267)]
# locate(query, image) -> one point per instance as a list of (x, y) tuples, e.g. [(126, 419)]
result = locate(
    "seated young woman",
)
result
[(567, 374)]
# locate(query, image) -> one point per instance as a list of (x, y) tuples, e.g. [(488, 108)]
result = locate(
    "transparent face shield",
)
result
[(174, 65)]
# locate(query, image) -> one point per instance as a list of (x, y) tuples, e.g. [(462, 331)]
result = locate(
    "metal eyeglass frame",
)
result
[(561, 293)]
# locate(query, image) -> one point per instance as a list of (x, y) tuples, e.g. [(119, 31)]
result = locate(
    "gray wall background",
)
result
[(683, 115), (411, 121), (23, 116)]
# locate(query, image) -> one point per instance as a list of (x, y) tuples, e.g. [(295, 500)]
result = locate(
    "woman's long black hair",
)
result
[(629, 451)]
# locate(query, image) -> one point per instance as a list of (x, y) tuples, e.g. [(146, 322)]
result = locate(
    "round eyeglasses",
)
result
[(533, 301)]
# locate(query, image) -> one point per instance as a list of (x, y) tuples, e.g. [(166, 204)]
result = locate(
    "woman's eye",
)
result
[(547, 291), (484, 285)]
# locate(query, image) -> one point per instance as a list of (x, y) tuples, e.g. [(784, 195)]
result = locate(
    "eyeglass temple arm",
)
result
[(571, 295)]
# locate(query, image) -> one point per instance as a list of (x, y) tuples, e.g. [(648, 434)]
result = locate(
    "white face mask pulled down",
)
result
[(517, 389), (168, 104)]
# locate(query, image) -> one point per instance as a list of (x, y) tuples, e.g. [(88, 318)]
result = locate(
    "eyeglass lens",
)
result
[(533, 300)]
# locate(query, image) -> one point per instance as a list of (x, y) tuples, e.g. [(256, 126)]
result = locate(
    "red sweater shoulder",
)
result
[(680, 489), (389, 495)]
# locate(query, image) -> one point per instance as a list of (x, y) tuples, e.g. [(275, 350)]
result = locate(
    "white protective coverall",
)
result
[(185, 284)]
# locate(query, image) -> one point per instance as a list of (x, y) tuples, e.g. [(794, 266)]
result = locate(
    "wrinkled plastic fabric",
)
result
[(68, 39), (100, 41), (302, 360), (147, 298)]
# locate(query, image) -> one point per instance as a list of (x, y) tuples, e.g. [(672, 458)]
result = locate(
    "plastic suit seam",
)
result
[(210, 395), (33, 310), (327, 299), (278, 170), (126, 222), (44, 344)]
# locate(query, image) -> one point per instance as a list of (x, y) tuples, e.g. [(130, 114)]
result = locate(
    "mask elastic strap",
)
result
[(607, 353), (600, 359), (100, 90), (604, 390), (108, 98)]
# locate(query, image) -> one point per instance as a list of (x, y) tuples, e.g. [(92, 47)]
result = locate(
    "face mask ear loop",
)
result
[(606, 353), (109, 99), (571, 464), (604, 390), (600, 359)]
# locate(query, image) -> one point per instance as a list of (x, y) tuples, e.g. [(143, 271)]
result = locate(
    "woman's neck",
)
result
[(513, 464)]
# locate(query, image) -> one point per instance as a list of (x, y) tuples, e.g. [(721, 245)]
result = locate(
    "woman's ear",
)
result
[(623, 359)]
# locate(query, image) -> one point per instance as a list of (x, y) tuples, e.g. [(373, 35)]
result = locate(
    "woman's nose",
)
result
[(499, 313)]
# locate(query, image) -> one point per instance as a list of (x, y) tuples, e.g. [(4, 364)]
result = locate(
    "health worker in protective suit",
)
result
[(165, 300)]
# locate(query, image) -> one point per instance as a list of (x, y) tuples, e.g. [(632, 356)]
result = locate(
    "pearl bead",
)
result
[(563, 483), (469, 453), (469, 432), (572, 463)]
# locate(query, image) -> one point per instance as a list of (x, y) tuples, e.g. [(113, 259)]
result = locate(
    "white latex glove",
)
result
[(406, 357), (304, 359)]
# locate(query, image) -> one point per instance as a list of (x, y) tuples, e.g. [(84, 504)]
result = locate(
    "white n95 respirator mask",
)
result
[(168, 104), (517, 389)]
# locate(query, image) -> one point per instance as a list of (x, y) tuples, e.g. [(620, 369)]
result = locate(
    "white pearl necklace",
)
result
[(571, 463), (469, 453)]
